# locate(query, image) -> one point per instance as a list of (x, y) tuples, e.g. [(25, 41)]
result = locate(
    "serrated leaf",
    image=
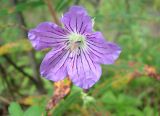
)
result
[(15, 109), (35, 111)]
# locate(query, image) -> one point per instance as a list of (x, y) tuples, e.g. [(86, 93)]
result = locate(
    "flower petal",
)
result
[(77, 20), (46, 35), (102, 51), (83, 71), (53, 66)]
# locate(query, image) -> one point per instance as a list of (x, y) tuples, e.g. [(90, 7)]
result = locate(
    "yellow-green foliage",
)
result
[(20, 46)]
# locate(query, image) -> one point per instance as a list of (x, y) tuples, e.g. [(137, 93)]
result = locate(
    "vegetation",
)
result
[(130, 87)]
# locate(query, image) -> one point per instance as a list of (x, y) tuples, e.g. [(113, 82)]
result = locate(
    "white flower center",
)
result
[(76, 41)]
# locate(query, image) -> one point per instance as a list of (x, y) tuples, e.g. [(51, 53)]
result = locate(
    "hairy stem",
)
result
[(52, 11)]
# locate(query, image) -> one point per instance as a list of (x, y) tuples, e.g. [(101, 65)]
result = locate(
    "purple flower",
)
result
[(77, 50)]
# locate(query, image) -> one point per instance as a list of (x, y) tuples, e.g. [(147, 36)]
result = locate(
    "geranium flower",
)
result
[(77, 51)]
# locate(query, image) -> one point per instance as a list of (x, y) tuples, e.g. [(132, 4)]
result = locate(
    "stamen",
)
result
[(76, 41)]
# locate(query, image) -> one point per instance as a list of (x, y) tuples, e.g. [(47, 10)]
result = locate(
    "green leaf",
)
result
[(33, 4), (109, 97), (21, 7), (133, 111), (148, 111), (66, 104), (35, 111), (61, 4), (3, 12), (15, 109)]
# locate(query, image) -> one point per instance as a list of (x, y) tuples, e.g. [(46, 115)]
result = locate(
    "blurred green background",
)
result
[(130, 87)]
